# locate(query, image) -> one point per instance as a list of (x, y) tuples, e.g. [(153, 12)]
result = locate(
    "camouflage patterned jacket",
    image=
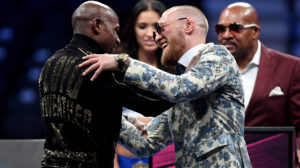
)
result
[(207, 122)]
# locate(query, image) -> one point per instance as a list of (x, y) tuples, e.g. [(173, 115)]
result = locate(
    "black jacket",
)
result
[(81, 118)]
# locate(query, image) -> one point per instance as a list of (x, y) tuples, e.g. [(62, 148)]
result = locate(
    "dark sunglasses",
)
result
[(159, 26), (233, 27)]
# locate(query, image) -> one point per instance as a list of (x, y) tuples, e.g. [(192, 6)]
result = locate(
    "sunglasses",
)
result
[(159, 26), (233, 27)]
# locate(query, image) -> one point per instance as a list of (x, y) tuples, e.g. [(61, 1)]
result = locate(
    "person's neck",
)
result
[(148, 57), (192, 42), (244, 62)]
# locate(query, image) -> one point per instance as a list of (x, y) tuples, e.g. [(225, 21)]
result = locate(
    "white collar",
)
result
[(257, 54), (189, 55)]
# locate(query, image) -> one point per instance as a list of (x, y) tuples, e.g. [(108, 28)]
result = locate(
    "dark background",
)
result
[(31, 30)]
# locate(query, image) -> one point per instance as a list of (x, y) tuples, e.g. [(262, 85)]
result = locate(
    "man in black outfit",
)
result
[(82, 119)]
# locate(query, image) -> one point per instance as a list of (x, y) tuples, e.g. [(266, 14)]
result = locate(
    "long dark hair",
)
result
[(129, 44)]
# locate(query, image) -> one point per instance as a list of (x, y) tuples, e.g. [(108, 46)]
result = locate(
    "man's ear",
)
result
[(190, 26), (96, 25)]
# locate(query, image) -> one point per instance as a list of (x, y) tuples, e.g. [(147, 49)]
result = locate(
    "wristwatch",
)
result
[(123, 61)]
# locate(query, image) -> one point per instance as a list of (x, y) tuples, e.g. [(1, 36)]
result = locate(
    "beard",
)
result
[(169, 58), (235, 50), (172, 54), (239, 54)]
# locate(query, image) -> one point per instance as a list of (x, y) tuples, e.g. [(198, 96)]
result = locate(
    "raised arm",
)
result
[(215, 69)]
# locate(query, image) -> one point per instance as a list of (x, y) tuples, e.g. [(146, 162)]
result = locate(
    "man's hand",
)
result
[(140, 123), (98, 63)]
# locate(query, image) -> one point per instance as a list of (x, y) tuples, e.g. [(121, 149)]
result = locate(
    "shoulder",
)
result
[(217, 53), (280, 56), (67, 53), (213, 49)]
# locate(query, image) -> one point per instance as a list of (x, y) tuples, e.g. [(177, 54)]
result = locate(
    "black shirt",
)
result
[(82, 119)]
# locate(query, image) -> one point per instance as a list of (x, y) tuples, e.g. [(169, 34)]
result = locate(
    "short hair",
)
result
[(194, 12)]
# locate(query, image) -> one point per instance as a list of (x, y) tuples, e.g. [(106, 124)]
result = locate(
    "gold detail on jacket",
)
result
[(61, 107), (85, 157), (61, 80), (57, 128)]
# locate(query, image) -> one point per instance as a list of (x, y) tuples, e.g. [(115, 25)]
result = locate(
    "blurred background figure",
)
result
[(137, 36), (271, 79), (137, 41)]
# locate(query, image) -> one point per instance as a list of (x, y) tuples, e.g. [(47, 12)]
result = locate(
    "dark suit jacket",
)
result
[(82, 119), (276, 69)]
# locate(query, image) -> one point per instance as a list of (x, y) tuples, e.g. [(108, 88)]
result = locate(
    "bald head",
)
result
[(242, 42), (98, 22), (241, 11), (190, 12), (88, 11)]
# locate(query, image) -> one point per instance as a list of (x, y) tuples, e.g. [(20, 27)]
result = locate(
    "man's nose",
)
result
[(227, 33), (157, 37)]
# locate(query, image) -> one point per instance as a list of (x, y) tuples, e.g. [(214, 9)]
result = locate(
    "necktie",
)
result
[(180, 69)]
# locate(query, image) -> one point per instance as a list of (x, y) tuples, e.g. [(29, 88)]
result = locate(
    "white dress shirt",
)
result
[(249, 75), (189, 55)]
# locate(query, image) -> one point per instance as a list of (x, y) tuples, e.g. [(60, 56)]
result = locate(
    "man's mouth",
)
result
[(164, 45), (229, 45)]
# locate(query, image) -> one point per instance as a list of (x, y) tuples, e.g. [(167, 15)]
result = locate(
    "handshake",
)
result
[(140, 123)]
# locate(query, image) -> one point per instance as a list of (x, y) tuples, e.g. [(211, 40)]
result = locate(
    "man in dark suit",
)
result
[(82, 119), (271, 79)]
